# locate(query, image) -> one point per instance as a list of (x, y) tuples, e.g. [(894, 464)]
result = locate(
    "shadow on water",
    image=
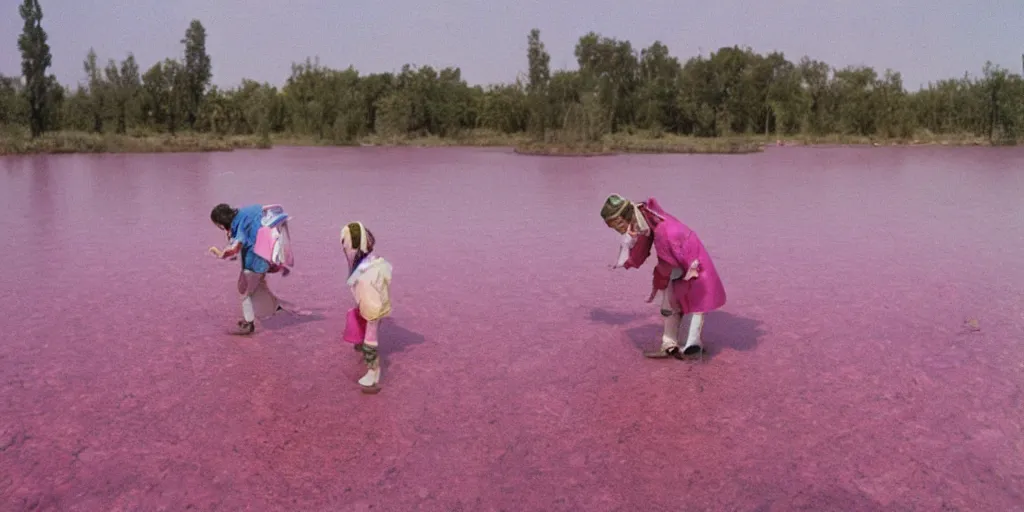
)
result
[(612, 317), (722, 331), (809, 497), (283, 320), (395, 338)]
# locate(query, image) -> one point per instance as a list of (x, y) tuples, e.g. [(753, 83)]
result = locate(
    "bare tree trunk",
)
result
[(992, 121)]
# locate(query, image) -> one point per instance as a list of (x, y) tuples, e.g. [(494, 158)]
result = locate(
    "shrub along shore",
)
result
[(81, 142), (620, 99)]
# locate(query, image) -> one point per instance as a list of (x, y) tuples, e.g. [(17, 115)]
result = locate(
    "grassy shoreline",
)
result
[(643, 143), (78, 142)]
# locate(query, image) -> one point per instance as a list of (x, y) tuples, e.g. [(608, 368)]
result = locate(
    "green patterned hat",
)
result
[(614, 207)]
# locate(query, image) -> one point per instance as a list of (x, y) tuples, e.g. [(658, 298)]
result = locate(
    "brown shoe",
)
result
[(243, 328), (663, 353)]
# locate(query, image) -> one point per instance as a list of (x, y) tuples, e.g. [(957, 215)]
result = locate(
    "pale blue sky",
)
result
[(259, 39)]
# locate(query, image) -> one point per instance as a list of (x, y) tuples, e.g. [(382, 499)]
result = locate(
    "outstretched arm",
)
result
[(232, 249), (625, 244), (639, 252)]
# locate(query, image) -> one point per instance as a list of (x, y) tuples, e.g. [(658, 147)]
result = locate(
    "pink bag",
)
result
[(264, 246), (355, 327), (273, 241)]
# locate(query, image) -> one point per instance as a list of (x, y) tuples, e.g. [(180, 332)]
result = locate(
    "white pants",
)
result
[(670, 337), (673, 322), (257, 299)]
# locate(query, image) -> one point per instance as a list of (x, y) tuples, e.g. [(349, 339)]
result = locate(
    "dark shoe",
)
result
[(693, 350), (676, 353), (680, 355), (662, 353), (243, 328)]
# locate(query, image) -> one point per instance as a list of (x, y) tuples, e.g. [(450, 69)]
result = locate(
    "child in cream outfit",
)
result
[(370, 280)]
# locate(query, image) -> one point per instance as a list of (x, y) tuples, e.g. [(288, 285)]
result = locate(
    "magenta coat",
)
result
[(678, 246)]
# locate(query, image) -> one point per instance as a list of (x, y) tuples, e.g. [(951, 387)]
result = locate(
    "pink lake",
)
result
[(869, 357)]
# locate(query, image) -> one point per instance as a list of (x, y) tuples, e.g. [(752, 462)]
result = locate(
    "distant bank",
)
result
[(79, 142)]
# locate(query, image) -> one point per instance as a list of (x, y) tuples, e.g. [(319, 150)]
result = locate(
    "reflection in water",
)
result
[(44, 209), (43, 213)]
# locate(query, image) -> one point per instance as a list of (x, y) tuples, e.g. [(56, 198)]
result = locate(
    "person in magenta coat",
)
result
[(685, 274)]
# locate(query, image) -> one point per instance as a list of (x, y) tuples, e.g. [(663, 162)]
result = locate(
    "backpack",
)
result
[(273, 242)]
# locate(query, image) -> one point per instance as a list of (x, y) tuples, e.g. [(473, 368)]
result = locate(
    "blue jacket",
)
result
[(243, 230)]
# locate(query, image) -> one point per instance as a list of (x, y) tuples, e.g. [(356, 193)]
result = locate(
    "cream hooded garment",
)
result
[(371, 280)]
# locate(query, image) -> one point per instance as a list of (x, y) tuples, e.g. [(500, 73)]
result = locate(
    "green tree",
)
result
[(155, 95), (609, 69), (96, 90), (76, 113), (816, 81), (658, 89), (394, 115), (538, 62), (175, 95), (35, 60), (894, 118), (54, 95), (564, 90), (857, 110), (374, 88), (197, 71), (12, 102), (124, 85)]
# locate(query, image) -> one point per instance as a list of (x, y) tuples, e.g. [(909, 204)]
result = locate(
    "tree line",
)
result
[(616, 88)]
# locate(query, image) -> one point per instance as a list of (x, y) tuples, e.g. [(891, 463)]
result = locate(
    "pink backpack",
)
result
[(273, 242)]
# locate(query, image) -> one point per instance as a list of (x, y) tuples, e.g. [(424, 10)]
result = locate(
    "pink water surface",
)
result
[(869, 358)]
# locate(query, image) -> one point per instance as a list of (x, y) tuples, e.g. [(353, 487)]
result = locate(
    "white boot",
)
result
[(694, 344), (370, 380)]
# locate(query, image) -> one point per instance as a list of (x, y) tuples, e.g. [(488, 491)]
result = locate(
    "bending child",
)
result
[(369, 278), (254, 230), (684, 274)]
